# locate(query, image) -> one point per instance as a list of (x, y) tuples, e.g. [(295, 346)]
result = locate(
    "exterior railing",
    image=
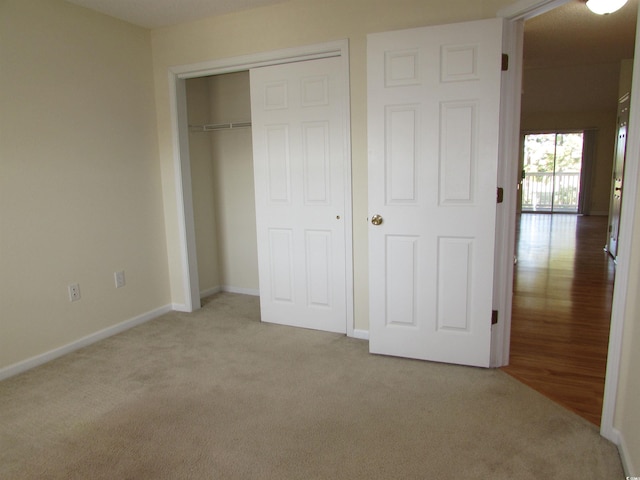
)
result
[(546, 192)]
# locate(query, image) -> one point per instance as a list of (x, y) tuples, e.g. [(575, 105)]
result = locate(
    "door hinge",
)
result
[(494, 317), (500, 196), (505, 62)]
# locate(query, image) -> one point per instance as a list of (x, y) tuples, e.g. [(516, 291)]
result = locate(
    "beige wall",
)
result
[(222, 183), (236, 210), (232, 155), (293, 24), (577, 97), (80, 194)]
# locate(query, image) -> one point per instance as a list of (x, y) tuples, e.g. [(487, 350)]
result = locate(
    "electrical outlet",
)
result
[(74, 292), (119, 278)]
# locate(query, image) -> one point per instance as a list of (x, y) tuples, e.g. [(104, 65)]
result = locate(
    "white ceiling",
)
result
[(570, 34), (160, 13)]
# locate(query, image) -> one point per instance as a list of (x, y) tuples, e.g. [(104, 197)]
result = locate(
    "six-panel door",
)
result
[(433, 116), (297, 112)]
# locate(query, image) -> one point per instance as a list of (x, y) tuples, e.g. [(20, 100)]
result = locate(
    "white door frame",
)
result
[(180, 136), (515, 16)]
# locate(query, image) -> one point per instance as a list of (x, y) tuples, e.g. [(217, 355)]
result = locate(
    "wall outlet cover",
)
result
[(74, 292), (119, 278)]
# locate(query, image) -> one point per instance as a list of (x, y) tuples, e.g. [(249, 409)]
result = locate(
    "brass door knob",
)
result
[(376, 220)]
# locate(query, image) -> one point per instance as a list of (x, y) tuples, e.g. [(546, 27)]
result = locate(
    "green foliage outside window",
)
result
[(552, 164)]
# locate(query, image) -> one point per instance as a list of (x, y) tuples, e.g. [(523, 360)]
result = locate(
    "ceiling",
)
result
[(572, 35), (569, 34), (161, 13)]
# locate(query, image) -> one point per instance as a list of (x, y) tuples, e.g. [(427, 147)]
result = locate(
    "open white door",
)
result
[(615, 203), (299, 152), (433, 125)]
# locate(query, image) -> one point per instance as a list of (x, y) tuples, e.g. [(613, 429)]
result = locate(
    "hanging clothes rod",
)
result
[(218, 126)]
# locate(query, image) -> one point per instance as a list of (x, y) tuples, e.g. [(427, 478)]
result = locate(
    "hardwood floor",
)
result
[(563, 285)]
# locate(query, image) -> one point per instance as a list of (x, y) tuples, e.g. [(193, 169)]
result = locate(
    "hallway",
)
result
[(563, 285)]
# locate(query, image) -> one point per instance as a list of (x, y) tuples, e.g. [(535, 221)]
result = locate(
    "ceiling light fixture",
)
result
[(605, 7)]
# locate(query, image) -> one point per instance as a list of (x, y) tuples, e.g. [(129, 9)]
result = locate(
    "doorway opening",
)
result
[(557, 91)]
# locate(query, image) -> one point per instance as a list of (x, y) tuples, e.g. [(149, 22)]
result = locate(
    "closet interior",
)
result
[(221, 159)]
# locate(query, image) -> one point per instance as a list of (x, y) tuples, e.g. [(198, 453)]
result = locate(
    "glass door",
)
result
[(551, 172)]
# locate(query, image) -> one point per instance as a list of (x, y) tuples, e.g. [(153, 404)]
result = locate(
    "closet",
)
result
[(221, 159), (269, 168)]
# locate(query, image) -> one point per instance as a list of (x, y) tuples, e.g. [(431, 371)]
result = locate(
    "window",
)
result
[(551, 172)]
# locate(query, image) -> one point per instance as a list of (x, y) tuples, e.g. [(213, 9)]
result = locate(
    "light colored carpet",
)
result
[(219, 395)]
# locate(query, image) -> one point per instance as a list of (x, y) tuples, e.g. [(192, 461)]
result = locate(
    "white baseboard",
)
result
[(228, 288), (38, 360), (361, 334), (629, 469), (245, 291), (210, 291), (180, 307)]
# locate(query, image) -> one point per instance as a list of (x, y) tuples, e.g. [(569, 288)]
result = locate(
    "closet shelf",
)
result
[(218, 126)]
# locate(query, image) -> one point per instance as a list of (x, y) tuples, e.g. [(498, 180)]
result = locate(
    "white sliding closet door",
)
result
[(299, 149)]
